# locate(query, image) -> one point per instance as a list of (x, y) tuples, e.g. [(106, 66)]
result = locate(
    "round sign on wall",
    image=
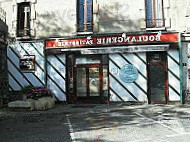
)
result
[(128, 73)]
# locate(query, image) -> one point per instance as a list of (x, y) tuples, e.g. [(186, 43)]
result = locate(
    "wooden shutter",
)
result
[(89, 15), (166, 5), (33, 12), (80, 15), (142, 19), (14, 20), (32, 20), (95, 16), (149, 13)]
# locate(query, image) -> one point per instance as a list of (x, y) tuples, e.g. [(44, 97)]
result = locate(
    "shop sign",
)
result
[(113, 40), (27, 63), (128, 73)]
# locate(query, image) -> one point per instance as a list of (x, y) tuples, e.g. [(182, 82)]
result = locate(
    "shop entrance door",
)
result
[(87, 78), (157, 78), (88, 83)]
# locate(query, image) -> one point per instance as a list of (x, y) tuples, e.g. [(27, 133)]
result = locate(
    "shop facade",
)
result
[(134, 67)]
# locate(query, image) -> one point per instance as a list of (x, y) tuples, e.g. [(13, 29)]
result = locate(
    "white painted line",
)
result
[(71, 129), (158, 122), (144, 140), (178, 135)]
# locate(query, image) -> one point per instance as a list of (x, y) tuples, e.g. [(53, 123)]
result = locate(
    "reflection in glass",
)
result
[(81, 82), (94, 81), (105, 81), (157, 83)]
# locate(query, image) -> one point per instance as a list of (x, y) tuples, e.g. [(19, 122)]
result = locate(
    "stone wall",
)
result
[(3, 73)]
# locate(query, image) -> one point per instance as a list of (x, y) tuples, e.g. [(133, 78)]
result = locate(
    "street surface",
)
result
[(98, 123)]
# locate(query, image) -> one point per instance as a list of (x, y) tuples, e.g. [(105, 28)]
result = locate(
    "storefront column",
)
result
[(181, 71)]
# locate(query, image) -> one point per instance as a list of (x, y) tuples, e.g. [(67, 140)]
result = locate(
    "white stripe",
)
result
[(57, 64), (19, 77), (178, 135), (61, 58), (173, 66), (174, 82), (158, 122), (173, 96), (120, 90), (133, 59), (39, 46), (55, 89), (33, 79), (174, 53), (114, 97), (71, 129), (142, 56)]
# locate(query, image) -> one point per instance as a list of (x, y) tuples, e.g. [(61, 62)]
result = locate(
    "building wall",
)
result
[(51, 18)]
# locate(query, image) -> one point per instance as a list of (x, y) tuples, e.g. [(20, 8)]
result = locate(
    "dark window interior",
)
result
[(23, 19), (84, 15)]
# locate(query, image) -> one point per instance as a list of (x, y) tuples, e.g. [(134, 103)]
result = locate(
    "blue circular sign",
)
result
[(128, 73)]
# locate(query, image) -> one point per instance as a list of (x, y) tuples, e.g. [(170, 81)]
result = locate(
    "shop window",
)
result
[(23, 19), (84, 15), (154, 14)]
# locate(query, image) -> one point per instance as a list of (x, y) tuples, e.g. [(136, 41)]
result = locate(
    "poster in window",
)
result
[(27, 63)]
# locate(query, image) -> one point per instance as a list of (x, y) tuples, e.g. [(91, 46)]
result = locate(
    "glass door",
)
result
[(157, 78), (94, 82), (81, 82), (88, 82), (87, 78)]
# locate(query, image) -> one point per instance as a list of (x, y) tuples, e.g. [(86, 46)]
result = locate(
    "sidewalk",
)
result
[(76, 108)]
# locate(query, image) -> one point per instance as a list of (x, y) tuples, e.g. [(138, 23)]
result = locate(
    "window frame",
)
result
[(23, 30), (154, 19)]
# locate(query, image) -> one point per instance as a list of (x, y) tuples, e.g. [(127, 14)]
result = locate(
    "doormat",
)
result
[(83, 106)]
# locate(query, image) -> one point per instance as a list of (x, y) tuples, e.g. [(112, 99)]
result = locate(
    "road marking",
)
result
[(71, 129), (158, 123), (178, 135)]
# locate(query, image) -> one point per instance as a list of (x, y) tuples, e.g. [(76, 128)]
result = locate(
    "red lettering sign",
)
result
[(111, 40)]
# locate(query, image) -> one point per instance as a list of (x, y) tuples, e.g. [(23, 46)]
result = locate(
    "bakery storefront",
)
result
[(142, 67)]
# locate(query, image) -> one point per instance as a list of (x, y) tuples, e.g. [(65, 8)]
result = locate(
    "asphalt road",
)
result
[(92, 123), (132, 124), (35, 128)]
